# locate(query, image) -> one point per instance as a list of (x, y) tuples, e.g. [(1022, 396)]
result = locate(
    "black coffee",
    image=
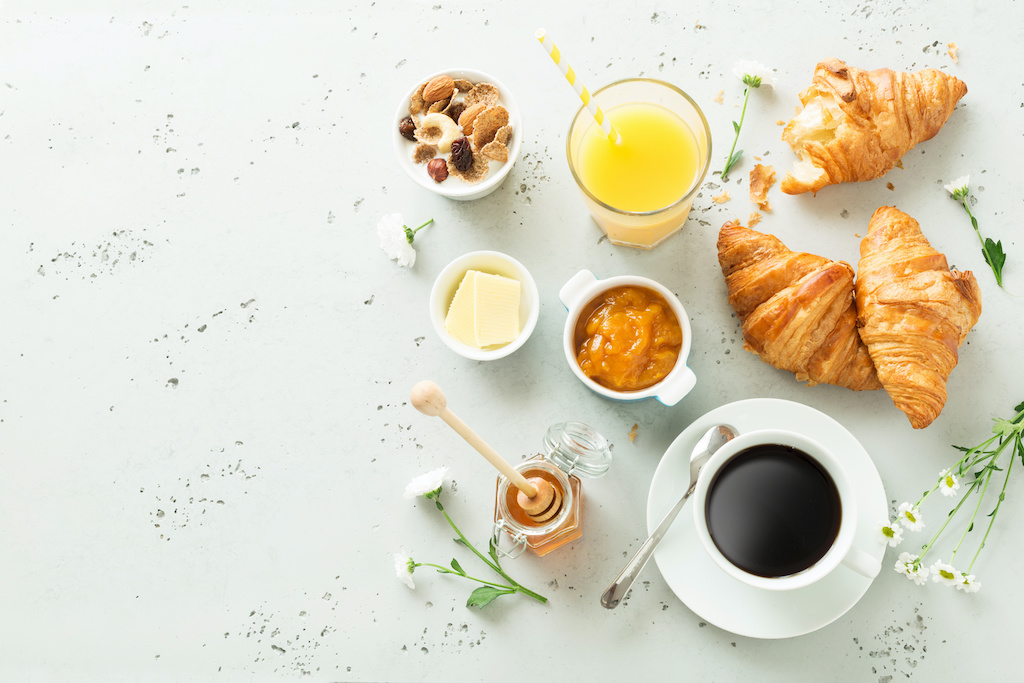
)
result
[(772, 510)]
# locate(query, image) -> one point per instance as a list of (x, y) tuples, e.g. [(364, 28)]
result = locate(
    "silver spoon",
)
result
[(713, 439)]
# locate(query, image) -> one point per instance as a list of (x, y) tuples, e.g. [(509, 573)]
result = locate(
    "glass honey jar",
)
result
[(571, 449)]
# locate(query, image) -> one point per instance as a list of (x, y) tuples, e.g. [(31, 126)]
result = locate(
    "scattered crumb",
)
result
[(722, 198), (952, 52), (780, 122), (754, 219), (718, 97), (899, 164), (890, 186), (857, 235), (761, 179), (633, 431)]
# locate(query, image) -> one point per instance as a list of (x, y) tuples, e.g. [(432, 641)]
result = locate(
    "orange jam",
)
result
[(628, 338)]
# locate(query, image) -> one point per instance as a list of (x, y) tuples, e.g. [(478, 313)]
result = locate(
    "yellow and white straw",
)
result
[(581, 90)]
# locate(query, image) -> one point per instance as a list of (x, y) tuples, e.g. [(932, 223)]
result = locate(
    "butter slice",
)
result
[(485, 310)]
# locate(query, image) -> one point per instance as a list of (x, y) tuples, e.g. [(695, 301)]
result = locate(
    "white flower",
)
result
[(403, 569), (891, 533), (948, 483), (909, 566), (754, 73), (968, 584), (426, 483), (958, 188), (395, 240), (910, 517), (945, 574)]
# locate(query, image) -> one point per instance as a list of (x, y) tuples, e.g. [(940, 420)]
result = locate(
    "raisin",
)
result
[(454, 111), (438, 170), (407, 128), (462, 154)]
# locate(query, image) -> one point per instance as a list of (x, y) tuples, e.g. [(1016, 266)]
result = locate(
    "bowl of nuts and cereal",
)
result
[(457, 133)]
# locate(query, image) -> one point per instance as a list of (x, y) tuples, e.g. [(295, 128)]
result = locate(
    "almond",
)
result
[(439, 88), (468, 117)]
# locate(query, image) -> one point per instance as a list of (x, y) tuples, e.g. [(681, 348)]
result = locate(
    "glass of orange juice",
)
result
[(640, 189)]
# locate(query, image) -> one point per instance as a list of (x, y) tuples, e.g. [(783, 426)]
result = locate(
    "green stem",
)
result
[(730, 161), (410, 234), (970, 524), (446, 570), (1002, 495), (967, 208), (949, 517), (518, 588)]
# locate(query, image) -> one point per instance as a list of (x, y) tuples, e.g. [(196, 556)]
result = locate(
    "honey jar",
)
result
[(571, 449)]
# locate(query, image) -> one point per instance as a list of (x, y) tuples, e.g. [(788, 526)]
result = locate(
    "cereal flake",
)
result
[(487, 93)]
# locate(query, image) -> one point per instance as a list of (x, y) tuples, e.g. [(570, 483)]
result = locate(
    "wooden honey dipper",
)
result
[(537, 497)]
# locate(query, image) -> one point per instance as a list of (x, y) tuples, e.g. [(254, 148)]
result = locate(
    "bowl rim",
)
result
[(440, 301), (417, 172), (603, 284)]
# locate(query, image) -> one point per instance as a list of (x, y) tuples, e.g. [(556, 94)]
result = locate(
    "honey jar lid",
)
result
[(577, 448)]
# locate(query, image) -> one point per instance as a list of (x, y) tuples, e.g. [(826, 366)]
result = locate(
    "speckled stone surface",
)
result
[(205, 357)]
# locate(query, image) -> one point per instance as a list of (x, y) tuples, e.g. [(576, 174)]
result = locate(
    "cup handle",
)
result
[(862, 563), (572, 290), (674, 388)]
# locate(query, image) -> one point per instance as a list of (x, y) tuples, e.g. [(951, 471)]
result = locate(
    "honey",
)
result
[(571, 447)]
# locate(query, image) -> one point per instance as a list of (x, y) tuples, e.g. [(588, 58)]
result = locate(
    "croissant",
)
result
[(856, 125), (913, 313), (797, 309)]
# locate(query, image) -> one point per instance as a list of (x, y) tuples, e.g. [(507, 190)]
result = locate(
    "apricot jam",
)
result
[(627, 338)]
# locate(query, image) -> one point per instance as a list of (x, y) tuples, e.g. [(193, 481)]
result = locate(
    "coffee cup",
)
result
[(776, 510)]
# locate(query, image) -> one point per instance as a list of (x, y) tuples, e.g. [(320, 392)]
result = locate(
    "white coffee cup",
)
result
[(841, 552)]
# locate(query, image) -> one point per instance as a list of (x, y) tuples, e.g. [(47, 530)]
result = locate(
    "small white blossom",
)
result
[(754, 73), (968, 584), (945, 574), (910, 517), (958, 188), (395, 240), (909, 566), (891, 533), (426, 483), (948, 483), (403, 569)]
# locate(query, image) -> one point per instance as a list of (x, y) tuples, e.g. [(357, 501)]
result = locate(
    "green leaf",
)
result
[(1020, 407), (484, 595), (492, 550), (995, 258), (736, 127), (456, 567)]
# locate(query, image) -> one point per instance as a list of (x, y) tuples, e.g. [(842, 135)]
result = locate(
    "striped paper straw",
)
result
[(581, 90)]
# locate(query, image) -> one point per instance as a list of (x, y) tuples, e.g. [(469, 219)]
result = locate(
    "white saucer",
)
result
[(726, 602)]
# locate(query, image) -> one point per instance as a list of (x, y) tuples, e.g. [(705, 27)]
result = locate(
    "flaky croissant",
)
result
[(855, 125), (913, 313), (797, 309)]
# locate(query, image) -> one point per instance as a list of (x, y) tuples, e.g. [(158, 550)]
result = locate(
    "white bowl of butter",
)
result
[(484, 305)]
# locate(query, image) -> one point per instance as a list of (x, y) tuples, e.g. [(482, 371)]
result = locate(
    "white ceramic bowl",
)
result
[(452, 187), (494, 262), (580, 290)]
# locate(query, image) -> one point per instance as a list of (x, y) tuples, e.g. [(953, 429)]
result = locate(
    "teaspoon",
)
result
[(713, 439)]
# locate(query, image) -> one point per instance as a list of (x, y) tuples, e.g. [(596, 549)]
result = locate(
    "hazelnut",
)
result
[(438, 170), (439, 88)]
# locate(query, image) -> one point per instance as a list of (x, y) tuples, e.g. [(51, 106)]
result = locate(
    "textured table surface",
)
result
[(205, 357)]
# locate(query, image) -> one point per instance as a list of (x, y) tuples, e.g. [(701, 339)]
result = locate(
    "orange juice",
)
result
[(651, 167)]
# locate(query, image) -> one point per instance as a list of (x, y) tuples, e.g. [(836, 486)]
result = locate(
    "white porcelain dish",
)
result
[(452, 187), (580, 290), (497, 263), (727, 602)]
